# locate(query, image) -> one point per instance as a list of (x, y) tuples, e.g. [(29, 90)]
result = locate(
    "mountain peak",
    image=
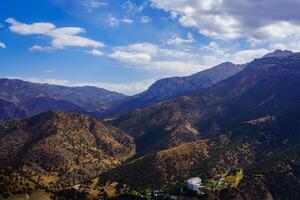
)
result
[(279, 54)]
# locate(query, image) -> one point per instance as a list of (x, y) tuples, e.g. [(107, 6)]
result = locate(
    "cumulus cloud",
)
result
[(61, 37), (29, 29), (268, 21), (113, 21), (2, 45), (176, 40)]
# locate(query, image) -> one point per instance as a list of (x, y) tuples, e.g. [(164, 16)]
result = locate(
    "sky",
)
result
[(125, 46)]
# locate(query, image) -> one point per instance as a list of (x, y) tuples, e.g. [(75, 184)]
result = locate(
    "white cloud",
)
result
[(2, 45), (39, 48), (281, 35), (176, 40), (29, 29), (61, 37), (131, 57), (215, 54), (95, 52), (275, 23), (153, 57), (202, 14), (140, 47), (245, 56), (130, 88), (113, 21), (91, 5), (126, 21)]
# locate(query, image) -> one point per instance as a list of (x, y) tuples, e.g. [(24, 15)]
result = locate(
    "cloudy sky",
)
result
[(127, 45)]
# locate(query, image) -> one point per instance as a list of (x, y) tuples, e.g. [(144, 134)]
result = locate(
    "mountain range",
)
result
[(22, 99), (246, 124)]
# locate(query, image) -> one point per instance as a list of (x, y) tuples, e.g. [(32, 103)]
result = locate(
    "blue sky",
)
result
[(127, 45)]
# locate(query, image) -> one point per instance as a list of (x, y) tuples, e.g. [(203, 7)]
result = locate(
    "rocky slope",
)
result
[(20, 98), (57, 150)]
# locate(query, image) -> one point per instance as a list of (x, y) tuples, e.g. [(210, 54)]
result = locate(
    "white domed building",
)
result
[(195, 184)]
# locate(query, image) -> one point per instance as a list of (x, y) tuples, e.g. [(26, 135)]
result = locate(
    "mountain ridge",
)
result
[(172, 87)]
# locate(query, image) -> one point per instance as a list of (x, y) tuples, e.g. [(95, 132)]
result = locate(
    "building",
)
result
[(195, 184)]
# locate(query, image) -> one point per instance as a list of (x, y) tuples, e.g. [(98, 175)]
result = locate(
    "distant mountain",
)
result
[(21, 98), (168, 88), (249, 121), (57, 150)]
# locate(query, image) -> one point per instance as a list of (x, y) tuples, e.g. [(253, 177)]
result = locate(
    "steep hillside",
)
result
[(168, 88), (241, 148), (57, 150), (14, 185), (20, 98), (267, 89)]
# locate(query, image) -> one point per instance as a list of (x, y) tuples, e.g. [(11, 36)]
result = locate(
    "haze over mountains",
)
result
[(246, 119)]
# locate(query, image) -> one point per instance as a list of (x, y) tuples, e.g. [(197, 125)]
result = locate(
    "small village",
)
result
[(196, 187)]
